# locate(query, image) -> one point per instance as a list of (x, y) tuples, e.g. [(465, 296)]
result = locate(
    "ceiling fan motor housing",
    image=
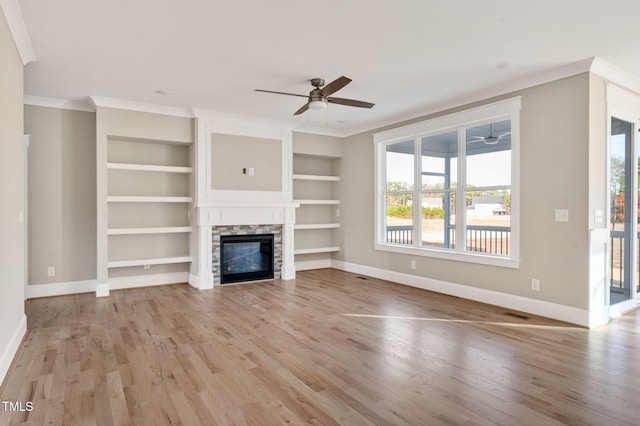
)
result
[(317, 82)]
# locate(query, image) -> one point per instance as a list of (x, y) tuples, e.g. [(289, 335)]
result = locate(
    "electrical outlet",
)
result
[(535, 284), (147, 266), (413, 264), (337, 212), (562, 215), (51, 271)]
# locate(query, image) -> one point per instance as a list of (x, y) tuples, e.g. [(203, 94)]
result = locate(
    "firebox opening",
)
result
[(246, 257)]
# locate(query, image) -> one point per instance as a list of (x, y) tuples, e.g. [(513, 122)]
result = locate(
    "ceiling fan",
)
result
[(320, 96), (490, 139)]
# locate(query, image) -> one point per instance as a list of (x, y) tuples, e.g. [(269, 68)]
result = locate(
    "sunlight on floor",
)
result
[(501, 324)]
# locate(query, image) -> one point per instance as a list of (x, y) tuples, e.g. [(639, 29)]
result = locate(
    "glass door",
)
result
[(623, 204)]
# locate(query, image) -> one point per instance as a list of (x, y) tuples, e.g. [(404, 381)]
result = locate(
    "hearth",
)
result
[(246, 257)]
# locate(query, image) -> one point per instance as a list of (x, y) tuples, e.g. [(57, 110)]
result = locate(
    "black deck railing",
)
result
[(483, 239), (497, 240), (618, 258), (400, 234)]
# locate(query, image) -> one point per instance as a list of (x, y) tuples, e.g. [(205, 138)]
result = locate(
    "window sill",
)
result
[(482, 259)]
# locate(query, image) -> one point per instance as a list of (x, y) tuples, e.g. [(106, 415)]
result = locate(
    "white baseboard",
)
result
[(12, 348), (102, 290), (59, 289), (193, 280), (313, 264), (148, 280), (202, 281), (519, 303)]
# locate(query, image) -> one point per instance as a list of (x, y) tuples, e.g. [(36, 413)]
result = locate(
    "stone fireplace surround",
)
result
[(218, 231), (218, 219)]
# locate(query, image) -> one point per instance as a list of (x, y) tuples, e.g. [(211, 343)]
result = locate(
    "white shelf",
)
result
[(317, 201), (147, 199), (317, 226), (149, 168), (140, 231), (145, 140), (316, 177), (317, 250), (142, 262)]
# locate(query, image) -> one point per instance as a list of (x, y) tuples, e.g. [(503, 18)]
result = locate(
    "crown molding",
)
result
[(59, 103), (18, 30), (206, 114), (616, 75), (99, 101)]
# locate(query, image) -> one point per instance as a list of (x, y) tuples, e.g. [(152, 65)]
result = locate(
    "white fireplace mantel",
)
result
[(220, 214)]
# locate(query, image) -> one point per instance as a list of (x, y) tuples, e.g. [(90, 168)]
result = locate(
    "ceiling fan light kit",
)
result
[(318, 105), (319, 97)]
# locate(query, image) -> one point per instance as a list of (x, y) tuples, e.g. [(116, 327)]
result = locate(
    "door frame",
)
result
[(625, 106)]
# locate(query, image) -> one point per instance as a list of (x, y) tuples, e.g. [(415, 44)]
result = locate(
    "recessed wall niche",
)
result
[(245, 163)]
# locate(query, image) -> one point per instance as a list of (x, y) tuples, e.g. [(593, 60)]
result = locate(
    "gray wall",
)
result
[(230, 154), (62, 194), (11, 190), (554, 174)]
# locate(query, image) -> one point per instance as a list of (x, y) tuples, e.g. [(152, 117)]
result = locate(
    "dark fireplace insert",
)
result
[(246, 258)]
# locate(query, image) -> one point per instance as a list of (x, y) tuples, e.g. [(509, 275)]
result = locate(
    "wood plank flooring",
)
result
[(330, 348)]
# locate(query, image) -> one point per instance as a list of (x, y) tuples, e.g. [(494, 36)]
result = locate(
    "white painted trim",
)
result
[(616, 75), (519, 303), (483, 114), (467, 117), (306, 265), (471, 257), (35, 291), (148, 280), (239, 127), (193, 280), (102, 290), (18, 30), (599, 279), (12, 348), (99, 101), (59, 103)]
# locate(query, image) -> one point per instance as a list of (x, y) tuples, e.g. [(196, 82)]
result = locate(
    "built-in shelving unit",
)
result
[(315, 188), (148, 200)]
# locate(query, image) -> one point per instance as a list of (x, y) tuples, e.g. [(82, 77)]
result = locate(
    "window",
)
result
[(447, 187)]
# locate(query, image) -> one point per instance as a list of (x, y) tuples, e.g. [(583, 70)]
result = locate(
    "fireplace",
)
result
[(246, 257)]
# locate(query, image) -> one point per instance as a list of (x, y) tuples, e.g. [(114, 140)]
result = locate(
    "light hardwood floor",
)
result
[(328, 348)]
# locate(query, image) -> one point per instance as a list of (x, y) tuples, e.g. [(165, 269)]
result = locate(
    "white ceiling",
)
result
[(405, 56)]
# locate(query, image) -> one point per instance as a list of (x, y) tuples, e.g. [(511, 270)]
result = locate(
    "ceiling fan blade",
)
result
[(281, 93), (350, 102), (302, 109), (335, 85)]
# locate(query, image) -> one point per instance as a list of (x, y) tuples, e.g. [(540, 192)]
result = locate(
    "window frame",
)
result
[(460, 122)]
